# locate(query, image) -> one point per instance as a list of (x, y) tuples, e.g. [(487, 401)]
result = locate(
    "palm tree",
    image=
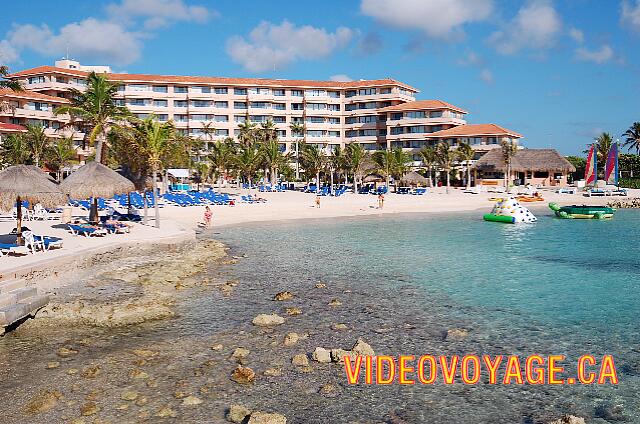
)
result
[(632, 135), (297, 130), (247, 134), (445, 157), (37, 142), (208, 131), (5, 83), (97, 110), (154, 141), (509, 149), (14, 150), (273, 158), (401, 165), (338, 163), (384, 163), (602, 143), (358, 162), (313, 162), (465, 154), (429, 159), (248, 160), (60, 154), (221, 158), (202, 173)]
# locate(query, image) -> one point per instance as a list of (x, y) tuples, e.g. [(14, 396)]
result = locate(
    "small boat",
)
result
[(527, 199), (582, 212)]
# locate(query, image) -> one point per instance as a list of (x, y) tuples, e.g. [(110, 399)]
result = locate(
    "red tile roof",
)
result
[(470, 130), (11, 127), (422, 105), (217, 80), (30, 95)]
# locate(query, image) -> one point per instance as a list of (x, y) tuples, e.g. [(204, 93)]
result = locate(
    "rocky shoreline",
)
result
[(627, 203), (185, 336)]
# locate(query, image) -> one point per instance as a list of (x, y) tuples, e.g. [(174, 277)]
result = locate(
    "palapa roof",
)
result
[(95, 180), (525, 160), (30, 184), (178, 79), (372, 178), (422, 105), (413, 178), (470, 130)]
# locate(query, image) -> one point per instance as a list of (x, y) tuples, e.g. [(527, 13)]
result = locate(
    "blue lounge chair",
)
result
[(85, 231), (8, 248)]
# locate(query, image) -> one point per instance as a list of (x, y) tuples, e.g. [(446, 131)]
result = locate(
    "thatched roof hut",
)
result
[(28, 183), (372, 178), (413, 178), (95, 180), (525, 160)]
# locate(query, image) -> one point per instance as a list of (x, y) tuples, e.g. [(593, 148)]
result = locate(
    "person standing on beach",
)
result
[(207, 217), (380, 201), (317, 201)]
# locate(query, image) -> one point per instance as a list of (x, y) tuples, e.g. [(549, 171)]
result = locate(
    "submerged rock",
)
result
[(191, 401), (53, 364), (300, 360), (285, 295), (321, 286), (89, 408), (290, 339), (339, 326), (240, 353), (362, 348), (321, 355), (568, 419), (266, 418), (293, 311), (335, 302), (267, 320), (91, 371), (65, 352), (272, 372), (243, 375), (42, 402), (237, 413), (166, 412), (129, 395), (337, 355), (456, 334)]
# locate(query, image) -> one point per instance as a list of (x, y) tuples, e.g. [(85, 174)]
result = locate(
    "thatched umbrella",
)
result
[(26, 182), (413, 178), (95, 180), (372, 178)]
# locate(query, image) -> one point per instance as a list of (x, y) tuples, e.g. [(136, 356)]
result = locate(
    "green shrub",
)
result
[(630, 182)]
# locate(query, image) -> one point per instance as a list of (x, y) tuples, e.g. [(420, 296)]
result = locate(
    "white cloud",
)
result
[(471, 59), (340, 78), (486, 76), (601, 55), (630, 15), (159, 13), (273, 46), (8, 53), (536, 26), (436, 18), (577, 35), (90, 39)]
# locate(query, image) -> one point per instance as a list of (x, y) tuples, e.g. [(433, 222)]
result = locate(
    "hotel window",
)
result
[(404, 91), (118, 102), (397, 130), (121, 87), (181, 118), (196, 131), (180, 103), (492, 140), (415, 115), (259, 91), (180, 89), (396, 116), (366, 91), (351, 133), (316, 106), (382, 132), (221, 90), (333, 120), (368, 133), (199, 118), (475, 140), (221, 118), (222, 132), (350, 107), (160, 103), (367, 105), (350, 93), (137, 102), (239, 105), (279, 106), (281, 133), (435, 128), (334, 108), (297, 93), (239, 118), (36, 80), (240, 91), (435, 114), (385, 91), (384, 104), (221, 105), (297, 106), (260, 105), (236, 132), (141, 115), (315, 133), (315, 93), (315, 119), (370, 146), (259, 118), (296, 120), (163, 117), (79, 81), (351, 120), (333, 94), (367, 119), (160, 88), (201, 103), (417, 129), (138, 87), (333, 133), (279, 119), (278, 92), (205, 90)]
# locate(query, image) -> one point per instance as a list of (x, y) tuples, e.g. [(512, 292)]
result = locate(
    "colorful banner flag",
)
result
[(591, 170), (611, 167)]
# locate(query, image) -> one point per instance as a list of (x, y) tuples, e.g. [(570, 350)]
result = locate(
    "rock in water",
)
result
[(129, 395), (267, 320), (337, 355), (237, 413), (191, 401), (240, 353), (89, 408), (291, 338), (362, 348), (568, 419), (65, 352), (91, 371), (321, 286), (456, 334), (285, 295), (166, 412), (266, 418), (42, 402), (321, 355), (300, 360), (335, 302), (243, 375), (293, 311), (339, 326)]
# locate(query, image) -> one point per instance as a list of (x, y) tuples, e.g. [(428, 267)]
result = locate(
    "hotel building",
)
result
[(379, 114)]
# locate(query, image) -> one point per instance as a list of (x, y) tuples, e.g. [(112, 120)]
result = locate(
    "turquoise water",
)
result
[(556, 286)]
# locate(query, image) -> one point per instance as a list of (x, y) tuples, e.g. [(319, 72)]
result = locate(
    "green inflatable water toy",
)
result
[(582, 212), (509, 211)]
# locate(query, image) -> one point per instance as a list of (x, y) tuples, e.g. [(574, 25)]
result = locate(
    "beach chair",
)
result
[(77, 230), (420, 191), (31, 243), (12, 248)]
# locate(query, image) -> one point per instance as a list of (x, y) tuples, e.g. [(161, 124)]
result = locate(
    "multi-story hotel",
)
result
[(379, 114)]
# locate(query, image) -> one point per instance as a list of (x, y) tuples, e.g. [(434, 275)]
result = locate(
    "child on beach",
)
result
[(207, 217), (380, 200), (317, 201)]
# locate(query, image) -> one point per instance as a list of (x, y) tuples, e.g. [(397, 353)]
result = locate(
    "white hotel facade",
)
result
[(378, 114)]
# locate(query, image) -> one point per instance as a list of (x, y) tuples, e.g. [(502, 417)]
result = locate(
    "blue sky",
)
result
[(557, 72)]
